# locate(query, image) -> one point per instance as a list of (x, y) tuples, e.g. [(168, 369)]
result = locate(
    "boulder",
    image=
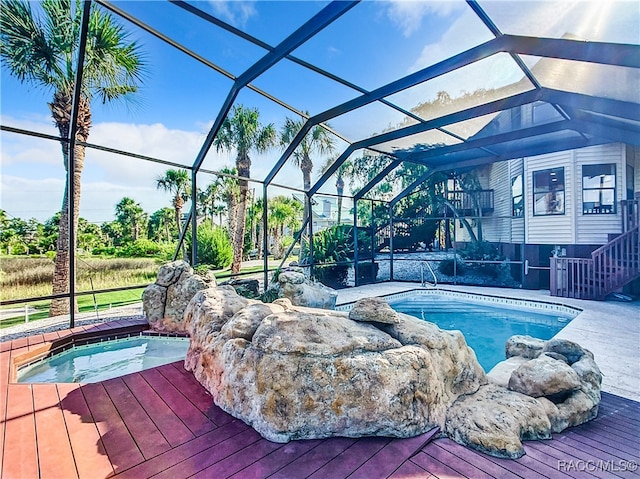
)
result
[(294, 285), (545, 377), (570, 350), (524, 346), (566, 380), (501, 372), (375, 310), (496, 421), (294, 372), (164, 301)]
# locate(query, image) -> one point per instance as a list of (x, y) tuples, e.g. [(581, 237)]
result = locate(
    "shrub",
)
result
[(367, 272), (447, 266), (141, 248), (334, 276), (483, 251), (214, 246)]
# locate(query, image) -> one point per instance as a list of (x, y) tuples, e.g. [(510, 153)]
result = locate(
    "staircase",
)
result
[(610, 267)]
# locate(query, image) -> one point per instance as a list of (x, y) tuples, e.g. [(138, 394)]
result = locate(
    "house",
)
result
[(566, 204)]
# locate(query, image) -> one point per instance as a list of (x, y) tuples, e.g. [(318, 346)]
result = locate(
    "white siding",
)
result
[(496, 226), (594, 229), (550, 229), (517, 224)]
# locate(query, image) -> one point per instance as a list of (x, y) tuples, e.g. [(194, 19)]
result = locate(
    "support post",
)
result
[(390, 242), (265, 239), (73, 129), (355, 242), (194, 219)]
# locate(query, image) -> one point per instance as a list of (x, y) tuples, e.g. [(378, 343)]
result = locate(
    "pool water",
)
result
[(105, 360), (486, 328)]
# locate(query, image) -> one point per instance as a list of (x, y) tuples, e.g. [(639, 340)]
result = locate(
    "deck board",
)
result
[(86, 443), (349, 461), (199, 396), (192, 417), (239, 460), (210, 456), (391, 456), (147, 436), (162, 423), (184, 451), (316, 458), (120, 446), (20, 458), (170, 425), (55, 457), (276, 460)]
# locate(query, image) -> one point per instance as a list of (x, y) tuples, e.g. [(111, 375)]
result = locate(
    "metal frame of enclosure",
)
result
[(582, 119)]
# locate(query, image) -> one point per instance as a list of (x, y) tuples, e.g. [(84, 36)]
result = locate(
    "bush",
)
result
[(483, 251), (140, 248), (214, 246), (447, 266), (367, 272), (334, 276)]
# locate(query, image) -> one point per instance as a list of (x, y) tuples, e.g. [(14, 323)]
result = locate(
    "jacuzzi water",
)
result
[(105, 360), (486, 328)]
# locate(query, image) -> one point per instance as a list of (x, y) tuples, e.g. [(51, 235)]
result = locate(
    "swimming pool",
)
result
[(104, 360), (486, 327)]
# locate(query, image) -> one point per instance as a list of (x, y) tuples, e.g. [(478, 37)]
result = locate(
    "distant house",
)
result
[(325, 211)]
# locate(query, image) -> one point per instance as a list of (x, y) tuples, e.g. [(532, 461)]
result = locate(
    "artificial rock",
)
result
[(310, 373), (297, 288), (164, 302)]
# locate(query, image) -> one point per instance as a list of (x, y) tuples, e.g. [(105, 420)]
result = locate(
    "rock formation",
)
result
[(164, 301), (294, 285), (542, 387), (301, 373), (295, 372)]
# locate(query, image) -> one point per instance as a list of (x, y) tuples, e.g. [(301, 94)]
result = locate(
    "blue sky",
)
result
[(373, 44)]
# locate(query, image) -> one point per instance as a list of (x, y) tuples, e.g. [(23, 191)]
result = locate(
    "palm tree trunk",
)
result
[(306, 165), (340, 190), (61, 113), (243, 165), (177, 205)]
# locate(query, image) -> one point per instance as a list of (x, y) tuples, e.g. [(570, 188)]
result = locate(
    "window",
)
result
[(548, 192), (599, 189), (517, 199)]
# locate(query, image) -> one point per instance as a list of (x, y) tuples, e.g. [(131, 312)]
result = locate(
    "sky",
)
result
[(371, 45)]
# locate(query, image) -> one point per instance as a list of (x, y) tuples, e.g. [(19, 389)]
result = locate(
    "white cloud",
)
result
[(33, 176), (408, 14), (235, 12), (465, 32)]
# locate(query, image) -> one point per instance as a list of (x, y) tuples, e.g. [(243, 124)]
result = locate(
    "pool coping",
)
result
[(484, 298)]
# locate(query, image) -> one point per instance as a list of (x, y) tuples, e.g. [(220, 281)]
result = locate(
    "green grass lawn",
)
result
[(22, 277), (104, 301)]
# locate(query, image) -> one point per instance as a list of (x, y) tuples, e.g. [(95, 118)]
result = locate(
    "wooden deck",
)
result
[(161, 423)]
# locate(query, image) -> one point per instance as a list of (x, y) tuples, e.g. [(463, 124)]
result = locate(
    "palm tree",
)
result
[(178, 183), (207, 199), (160, 225), (243, 132), (317, 140), (132, 217), (345, 170), (41, 50), (284, 212)]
